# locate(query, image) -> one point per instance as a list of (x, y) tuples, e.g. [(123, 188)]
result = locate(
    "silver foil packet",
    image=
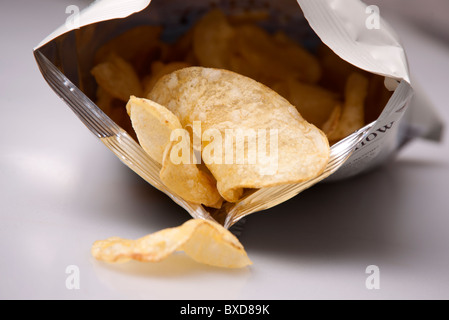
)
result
[(353, 30)]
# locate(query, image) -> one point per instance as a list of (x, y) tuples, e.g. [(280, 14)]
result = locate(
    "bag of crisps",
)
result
[(233, 107)]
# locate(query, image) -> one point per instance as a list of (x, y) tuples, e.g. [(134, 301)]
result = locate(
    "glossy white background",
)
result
[(61, 189)]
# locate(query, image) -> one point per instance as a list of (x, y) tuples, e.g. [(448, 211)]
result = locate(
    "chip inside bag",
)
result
[(251, 136)]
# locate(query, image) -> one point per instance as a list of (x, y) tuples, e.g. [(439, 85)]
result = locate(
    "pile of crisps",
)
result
[(229, 74)]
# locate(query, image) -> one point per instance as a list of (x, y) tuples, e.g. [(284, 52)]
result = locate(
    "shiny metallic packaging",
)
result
[(350, 28)]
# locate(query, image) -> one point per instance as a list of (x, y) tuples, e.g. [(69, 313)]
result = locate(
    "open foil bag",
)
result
[(66, 57)]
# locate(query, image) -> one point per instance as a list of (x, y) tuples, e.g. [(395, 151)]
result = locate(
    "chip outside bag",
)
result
[(204, 241)]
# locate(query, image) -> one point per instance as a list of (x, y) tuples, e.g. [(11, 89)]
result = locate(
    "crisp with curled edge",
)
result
[(153, 125), (281, 147), (204, 241), (224, 103)]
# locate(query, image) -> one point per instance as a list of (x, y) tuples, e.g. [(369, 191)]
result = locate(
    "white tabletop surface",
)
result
[(61, 189)]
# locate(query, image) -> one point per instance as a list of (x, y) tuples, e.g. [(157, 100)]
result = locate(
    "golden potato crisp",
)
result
[(204, 241), (212, 40), (186, 179), (160, 69), (272, 58), (118, 77), (332, 122), (353, 113), (313, 102), (153, 125), (259, 138)]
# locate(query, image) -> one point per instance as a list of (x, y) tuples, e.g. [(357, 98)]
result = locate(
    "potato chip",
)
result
[(153, 125), (273, 58), (204, 241), (181, 174), (262, 139), (247, 49), (160, 69), (212, 40), (353, 113), (332, 122), (253, 53), (117, 77), (313, 102), (304, 65)]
